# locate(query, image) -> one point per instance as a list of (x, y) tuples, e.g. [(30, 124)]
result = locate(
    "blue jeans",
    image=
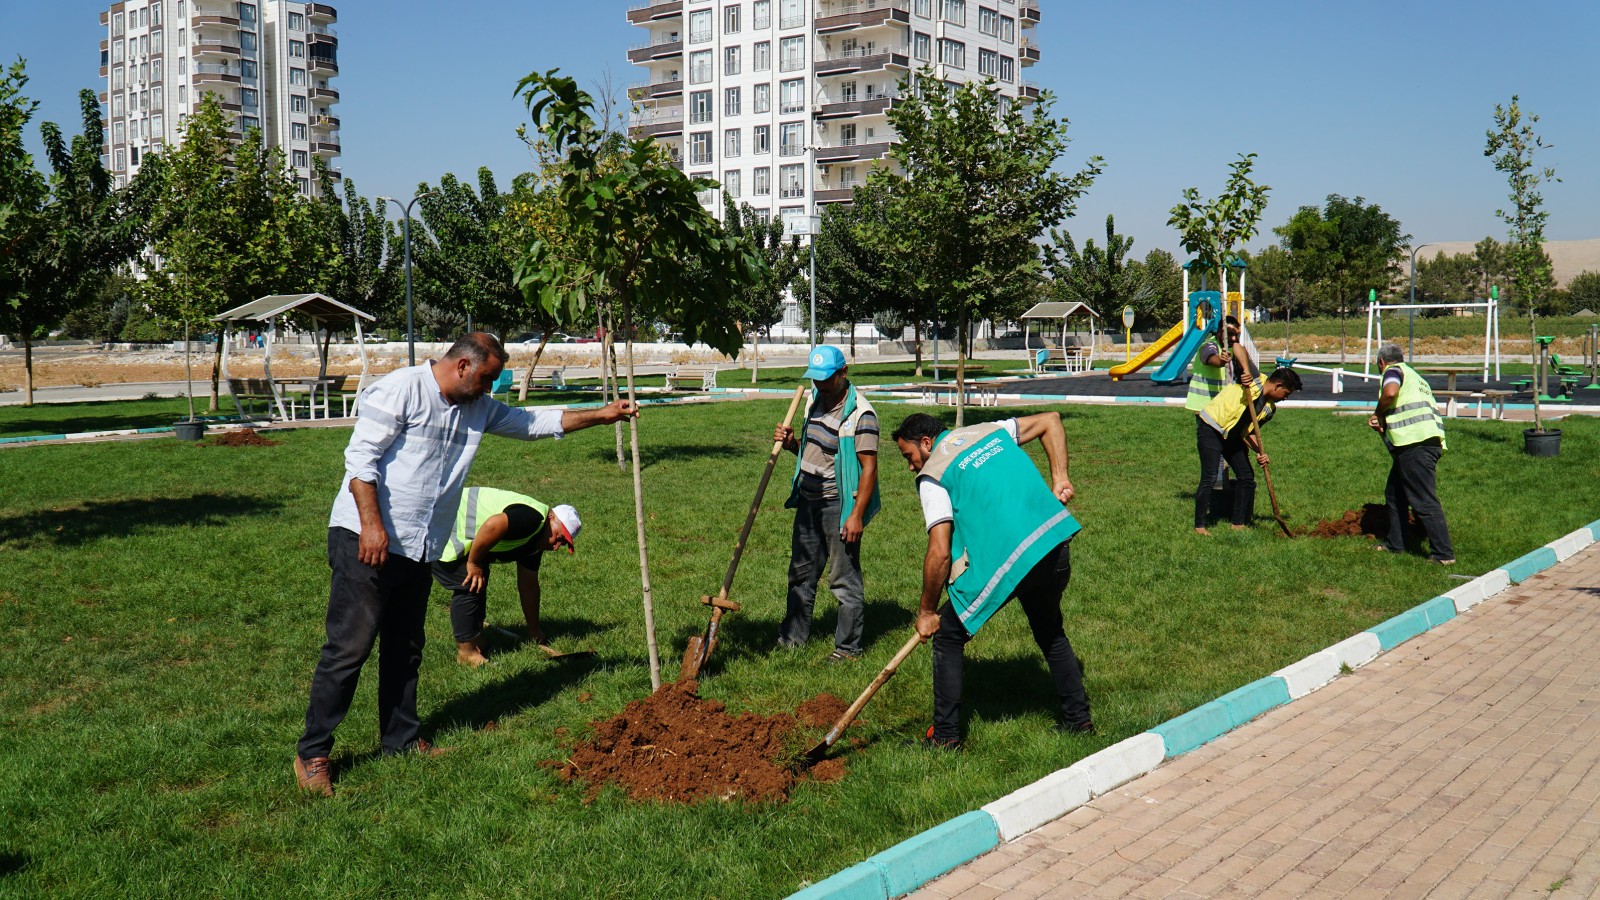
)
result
[(814, 541)]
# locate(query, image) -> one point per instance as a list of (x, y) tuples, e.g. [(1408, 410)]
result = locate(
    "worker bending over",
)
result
[(1226, 433)]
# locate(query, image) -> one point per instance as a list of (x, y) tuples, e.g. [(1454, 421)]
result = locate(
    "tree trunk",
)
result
[(27, 368), (852, 342), (527, 376), (638, 517), (216, 368), (188, 372), (755, 355), (1540, 376), (608, 370), (917, 334), (961, 371)]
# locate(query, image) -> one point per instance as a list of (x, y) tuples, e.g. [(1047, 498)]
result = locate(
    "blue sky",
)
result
[(1384, 100)]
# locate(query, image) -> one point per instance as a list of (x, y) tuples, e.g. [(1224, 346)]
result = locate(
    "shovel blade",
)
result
[(553, 653), (693, 657)]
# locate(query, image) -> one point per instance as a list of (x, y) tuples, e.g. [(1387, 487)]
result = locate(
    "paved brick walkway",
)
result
[(1465, 763)]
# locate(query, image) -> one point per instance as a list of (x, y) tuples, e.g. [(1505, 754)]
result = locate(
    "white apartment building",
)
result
[(784, 102), (269, 61)]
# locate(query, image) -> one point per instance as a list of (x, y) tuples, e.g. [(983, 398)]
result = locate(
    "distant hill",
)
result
[(1570, 258)]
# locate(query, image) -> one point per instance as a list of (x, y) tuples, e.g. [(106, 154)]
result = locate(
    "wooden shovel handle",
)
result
[(866, 695), (761, 491)]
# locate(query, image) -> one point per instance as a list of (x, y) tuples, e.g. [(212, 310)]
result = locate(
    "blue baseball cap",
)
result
[(824, 362)]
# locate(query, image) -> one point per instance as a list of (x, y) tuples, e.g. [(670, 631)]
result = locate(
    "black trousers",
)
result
[(386, 605), (1413, 472), (468, 608), (1039, 592), (1214, 449)]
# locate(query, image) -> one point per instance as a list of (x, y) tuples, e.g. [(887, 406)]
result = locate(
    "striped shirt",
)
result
[(822, 445), (418, 447)]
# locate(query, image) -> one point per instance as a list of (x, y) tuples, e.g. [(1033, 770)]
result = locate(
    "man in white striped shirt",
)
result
[(408, 458)]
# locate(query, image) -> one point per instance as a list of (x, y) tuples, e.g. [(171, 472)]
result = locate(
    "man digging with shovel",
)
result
[(499, 526), (1227, 434), (996, 530)]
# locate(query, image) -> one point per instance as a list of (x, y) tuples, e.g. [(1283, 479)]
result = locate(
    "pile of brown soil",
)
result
[(675, 746), (244, 437), (1371, 520)]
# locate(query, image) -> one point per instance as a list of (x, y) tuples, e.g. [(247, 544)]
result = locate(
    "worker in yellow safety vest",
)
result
[(1408, 419), (1226, 438)]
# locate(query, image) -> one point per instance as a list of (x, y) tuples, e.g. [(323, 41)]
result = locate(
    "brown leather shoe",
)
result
[(314, 775)]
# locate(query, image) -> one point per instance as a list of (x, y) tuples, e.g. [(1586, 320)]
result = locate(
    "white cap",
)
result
[(569, 520)]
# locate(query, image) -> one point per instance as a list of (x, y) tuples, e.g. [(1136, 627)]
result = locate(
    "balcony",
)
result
[(326, 146), (849, 107), (657, 123), (1028, 90), (654, 11), (328, 30), (1028, 11), (644, 53), (326, 95), (211, 73), (327, 42), (850, 151), (321, 12), (209, 21), (834, 19), (213, 47), (322, 65), (320, 121), (1027, 51), (864, 59), (834, 195), (672, 88)]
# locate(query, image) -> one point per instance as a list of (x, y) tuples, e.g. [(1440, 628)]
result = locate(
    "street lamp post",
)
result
[(1411, 325), (411, 330)]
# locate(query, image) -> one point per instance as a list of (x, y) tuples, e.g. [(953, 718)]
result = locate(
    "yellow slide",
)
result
[(1173, 335)]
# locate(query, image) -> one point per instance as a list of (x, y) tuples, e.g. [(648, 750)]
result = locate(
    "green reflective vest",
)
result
[(1205, 382), (1005, 517), (478, 505), (1415, 417)]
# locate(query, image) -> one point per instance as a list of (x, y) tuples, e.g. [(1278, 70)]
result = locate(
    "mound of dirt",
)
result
[(677, 747), (1371, 520), (244, 437)]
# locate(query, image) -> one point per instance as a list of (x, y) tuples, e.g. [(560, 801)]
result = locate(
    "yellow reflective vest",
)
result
[(1415, 417)]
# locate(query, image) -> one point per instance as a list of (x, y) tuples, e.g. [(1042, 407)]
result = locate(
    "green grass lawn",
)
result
[(1396, 325), (105, 415), (161, 609)]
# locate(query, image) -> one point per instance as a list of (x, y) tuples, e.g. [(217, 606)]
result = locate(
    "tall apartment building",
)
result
[(268, 61), (785, 102)]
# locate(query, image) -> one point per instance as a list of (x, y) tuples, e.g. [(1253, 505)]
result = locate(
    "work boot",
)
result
[(928, 740), (314, 775)]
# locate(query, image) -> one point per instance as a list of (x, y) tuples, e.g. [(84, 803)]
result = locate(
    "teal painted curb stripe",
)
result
[(1254, 699), (917, 860), (1594, 529), (1437, 611), (33, 437), (1400, 629), (1198, 726), (1524, 567), (862, 881)]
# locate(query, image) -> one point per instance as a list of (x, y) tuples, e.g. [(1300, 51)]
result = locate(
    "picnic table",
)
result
[(315, 390), (1450, 373)]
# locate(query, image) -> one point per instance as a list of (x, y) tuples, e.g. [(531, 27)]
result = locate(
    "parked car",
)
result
[(374, 339), (532, 338)]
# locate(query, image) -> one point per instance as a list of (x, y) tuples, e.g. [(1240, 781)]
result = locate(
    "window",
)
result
[(731, 101), (119, 134), (183, 66), (791, 54), (700, 26), (952, 53), (297, 103), (297, 49), (700, 107), (762, 101), (247, 40), (120, 158), (247, 68), (954, 12), (847, 176), (144, 45), (762, 182), (761, 11), (144, 100), (297, 22), (180, 9), (155, 70), (248, 122), (1008, 29), (730, 19), (791, 14), (847, 134), (924, 8), (847, 91), (144, 71), (1008, 69), (730, 144), (116, 51), (155, 14), (302, 159), (144, 17), (700, 148), (988, 62), (155, 39), (297, 76), (183, 97), (247, 97), (700, 67), (247, 12), (730, 61), (133, 130), (792, 96), (731, 183), (156, 132), (762, 53), (988, 20), (304, 184), (116, 78), (297, 131), (181, 43), (922, 46), (791, 139), (791, 182), (762, 143), (116, 28), (155, 97)]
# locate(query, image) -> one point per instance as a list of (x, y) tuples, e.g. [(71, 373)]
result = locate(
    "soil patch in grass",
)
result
[(244, 437), (1371, 520), (677, 747)]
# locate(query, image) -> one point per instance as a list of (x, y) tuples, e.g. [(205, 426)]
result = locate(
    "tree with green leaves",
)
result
[(1210, 230), (759, 304), (1347, 248), (975, 187), (1514, 146), (365, 272), (463, 254), (1101, 277), (1160, 279), (636, 232), (65, 234), (1583, 292)]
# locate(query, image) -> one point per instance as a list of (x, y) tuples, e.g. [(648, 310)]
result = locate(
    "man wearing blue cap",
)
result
[(834, 496)]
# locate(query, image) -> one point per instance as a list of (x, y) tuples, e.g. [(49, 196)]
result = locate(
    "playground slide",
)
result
[(1149, 353), (1176, 368)]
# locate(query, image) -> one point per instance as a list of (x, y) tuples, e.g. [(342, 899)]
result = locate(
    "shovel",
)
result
[(821, 749), (1266, 473), (549, 651), (699, 649)]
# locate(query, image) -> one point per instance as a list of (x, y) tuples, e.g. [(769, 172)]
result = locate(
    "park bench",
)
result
[(702, 378), (1450, 399), (1496, 401), (1062, 359), (247, 392), (509, 379), (943, 393)]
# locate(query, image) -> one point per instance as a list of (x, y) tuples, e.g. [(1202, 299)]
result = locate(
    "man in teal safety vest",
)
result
[(834, 495), (498, 526), (996, 530), (1412, 429)]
